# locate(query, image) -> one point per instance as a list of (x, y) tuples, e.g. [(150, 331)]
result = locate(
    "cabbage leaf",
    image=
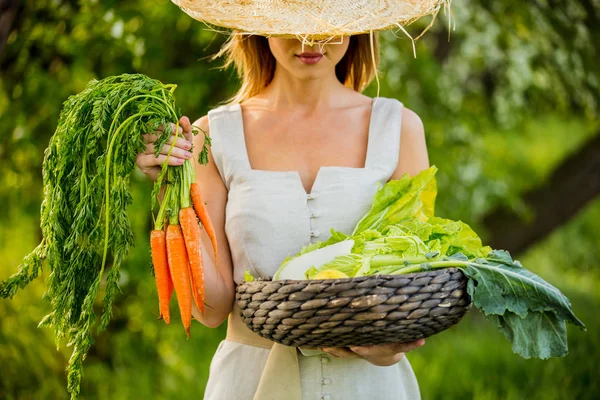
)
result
[(400, 235)]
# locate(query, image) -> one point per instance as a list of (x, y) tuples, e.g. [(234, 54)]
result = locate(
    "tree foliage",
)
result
[(499, 66)]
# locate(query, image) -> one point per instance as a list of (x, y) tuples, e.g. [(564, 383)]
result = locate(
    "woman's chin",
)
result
[(306, 73)]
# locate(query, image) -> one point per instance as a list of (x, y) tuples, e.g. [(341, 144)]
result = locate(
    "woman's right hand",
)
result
[(151, 165), (218, 283)]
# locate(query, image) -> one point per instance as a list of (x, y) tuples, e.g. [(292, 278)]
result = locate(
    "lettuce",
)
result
[(400, 235), (400, 200), (248, 277)]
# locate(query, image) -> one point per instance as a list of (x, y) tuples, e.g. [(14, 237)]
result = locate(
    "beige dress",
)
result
[(269, 216)]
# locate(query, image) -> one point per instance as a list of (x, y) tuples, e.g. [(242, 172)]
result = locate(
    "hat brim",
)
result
[(320, 19)]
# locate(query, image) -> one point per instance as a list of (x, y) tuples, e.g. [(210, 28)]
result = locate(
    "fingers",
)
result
[(387, 349), (185, 129), (340, 352), (147, 161), (180, 142), (406, 347), (181, 130), (380, 355), (175, 152), (150, 138), (184, 123), (150, 165)]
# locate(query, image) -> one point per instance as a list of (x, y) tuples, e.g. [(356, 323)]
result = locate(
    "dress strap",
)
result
[(228, 142), (384, 134)]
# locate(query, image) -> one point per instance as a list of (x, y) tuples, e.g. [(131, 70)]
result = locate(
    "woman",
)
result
[(299, 150)]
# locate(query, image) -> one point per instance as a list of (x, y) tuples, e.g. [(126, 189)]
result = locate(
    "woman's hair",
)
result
[(254, 63)]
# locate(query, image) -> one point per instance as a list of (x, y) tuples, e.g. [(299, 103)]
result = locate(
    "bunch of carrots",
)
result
[(176, 244)]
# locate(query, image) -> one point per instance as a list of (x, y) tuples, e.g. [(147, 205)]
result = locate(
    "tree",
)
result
[(571, 186)]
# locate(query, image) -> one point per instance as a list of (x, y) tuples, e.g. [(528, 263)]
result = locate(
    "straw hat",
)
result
[(309, 19)]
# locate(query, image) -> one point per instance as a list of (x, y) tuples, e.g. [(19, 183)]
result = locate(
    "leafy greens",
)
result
[(400, 235)]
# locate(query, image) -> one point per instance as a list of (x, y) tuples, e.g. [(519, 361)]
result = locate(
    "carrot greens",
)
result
[(84, 222)]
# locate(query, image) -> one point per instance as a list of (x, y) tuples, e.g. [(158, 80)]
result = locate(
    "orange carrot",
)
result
[(191, 234), (200, 208), (164, 284), (180, 273)]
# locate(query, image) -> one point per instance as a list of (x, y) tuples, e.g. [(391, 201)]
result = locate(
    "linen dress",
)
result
[(269, 216)]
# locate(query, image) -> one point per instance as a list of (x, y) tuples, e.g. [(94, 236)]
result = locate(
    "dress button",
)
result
[(326, 381), (324, 360), (315, 234), (312, 214), (326, 397), (310, 196)]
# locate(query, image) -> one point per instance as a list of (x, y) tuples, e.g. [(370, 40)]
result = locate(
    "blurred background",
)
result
[(510, 106)]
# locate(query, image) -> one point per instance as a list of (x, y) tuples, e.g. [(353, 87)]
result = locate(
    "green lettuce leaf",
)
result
[(401, 235), (335, 237), (528, 310), (499, 284), (349, 264), (248, 277), (447, 236), (541, 334), (400, 245), (400, 200)]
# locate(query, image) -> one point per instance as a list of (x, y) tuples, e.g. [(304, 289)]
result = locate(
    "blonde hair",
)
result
[(254, 63)]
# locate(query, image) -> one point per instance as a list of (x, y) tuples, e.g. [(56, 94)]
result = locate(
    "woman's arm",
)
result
[(219, 287), (413, 156)]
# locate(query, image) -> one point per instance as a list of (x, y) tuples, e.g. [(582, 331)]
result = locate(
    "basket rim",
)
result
[(408, 316), (356, 279)]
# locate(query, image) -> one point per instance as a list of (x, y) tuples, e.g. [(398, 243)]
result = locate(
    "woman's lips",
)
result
[(309, 58)]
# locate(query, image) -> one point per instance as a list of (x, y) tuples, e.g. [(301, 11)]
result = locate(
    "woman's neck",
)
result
[(288, 92)]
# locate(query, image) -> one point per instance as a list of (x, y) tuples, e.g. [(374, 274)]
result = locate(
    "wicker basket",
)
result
[(365, 311)]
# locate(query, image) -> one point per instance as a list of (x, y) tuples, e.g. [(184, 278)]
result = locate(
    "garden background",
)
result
[(510, 106)]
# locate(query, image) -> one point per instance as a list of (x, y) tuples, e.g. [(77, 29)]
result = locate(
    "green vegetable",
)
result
[(84, 222), (336, 237), (248, 277), (400, 200), (400, 235)]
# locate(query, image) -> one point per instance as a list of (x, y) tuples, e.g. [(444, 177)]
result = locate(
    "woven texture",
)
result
[(353, 312), (315, 19)]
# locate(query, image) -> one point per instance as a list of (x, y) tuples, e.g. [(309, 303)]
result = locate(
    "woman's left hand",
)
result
[(381, 355)]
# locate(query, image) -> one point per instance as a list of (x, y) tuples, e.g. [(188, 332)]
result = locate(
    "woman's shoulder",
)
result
[(202, 123), (411, 122), (412, 156), (223, 109), (215, 114)]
